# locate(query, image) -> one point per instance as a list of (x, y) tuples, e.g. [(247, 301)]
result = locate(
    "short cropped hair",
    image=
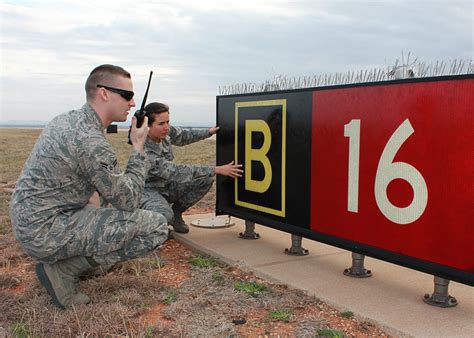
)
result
[(155, 108), (103, 74)]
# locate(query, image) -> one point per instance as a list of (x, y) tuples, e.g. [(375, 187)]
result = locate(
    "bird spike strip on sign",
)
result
[(403, 69)]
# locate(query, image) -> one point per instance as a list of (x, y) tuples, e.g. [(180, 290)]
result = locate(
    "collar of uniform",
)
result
[(149, 143), (92, 116)]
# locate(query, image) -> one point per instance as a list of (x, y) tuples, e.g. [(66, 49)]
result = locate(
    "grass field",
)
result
[(172, 291)]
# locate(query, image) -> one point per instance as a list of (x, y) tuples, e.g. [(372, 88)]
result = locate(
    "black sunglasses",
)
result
[(126, 94)]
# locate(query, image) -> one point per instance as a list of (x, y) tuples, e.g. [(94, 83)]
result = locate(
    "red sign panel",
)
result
[(392, 167)]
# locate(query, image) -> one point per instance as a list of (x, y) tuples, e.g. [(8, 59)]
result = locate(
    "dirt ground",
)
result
[(172, 291), (166, 294)]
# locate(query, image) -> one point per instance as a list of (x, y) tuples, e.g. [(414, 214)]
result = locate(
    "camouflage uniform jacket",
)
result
[(160, 154), (70, 161)]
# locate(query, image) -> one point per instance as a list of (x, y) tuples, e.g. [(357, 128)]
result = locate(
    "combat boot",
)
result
[(61, 280), (178, 222)]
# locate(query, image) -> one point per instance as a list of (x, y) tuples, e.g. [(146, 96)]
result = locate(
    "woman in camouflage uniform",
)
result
[(172, 188)]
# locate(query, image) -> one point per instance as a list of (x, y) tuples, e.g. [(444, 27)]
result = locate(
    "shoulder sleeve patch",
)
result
[(109, 166)]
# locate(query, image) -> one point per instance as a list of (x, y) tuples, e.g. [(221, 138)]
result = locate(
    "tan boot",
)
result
[(61, 280)]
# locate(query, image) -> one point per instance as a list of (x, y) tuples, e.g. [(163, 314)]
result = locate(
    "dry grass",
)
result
[(162, 294)]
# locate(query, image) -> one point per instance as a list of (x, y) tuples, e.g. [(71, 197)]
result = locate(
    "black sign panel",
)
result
[(324, 163), (269, 135)]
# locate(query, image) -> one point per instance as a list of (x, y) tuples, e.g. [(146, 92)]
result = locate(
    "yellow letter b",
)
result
[(259, 155)]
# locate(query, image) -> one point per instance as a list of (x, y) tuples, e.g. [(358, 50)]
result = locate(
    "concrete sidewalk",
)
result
[(391, 298)]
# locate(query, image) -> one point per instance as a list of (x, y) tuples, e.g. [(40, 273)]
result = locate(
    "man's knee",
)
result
[(159, 206), (146, 230), (165, 212), (153, 230), (168, 215), (151, 220)]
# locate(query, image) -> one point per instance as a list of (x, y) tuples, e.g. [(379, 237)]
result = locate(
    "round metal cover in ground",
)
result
[(213, 222)]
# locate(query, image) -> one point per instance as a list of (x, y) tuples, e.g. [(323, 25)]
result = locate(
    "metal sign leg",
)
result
[(357, 269), (249, 231), (440, 296), (296, 248)]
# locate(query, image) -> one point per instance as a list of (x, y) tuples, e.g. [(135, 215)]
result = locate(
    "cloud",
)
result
[(49, 47)]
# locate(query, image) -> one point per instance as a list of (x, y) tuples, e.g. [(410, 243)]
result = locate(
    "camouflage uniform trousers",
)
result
[(110, 235), (181, 195)]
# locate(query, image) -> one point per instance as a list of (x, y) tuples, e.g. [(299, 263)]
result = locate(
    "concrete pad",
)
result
[(391, 298)]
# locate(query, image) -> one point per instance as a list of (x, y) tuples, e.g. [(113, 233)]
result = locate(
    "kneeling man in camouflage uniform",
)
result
[(54, 209), (172, 188)]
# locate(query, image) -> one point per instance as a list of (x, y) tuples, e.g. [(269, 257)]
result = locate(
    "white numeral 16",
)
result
[(387, 171)]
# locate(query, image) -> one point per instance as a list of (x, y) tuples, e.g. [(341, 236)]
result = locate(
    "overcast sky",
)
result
[(48, 48)]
